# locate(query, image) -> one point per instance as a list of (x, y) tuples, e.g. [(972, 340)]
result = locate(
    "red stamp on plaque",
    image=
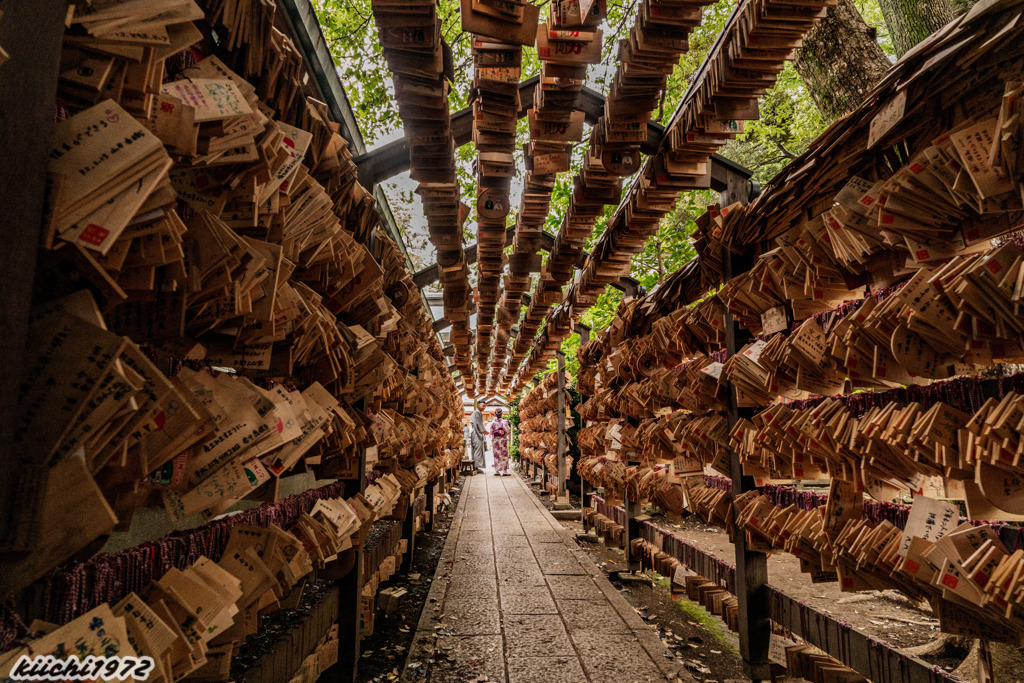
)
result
[(950, 580), (94, 234), (994, 266)]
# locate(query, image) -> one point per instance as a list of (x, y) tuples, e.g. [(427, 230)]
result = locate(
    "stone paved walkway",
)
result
[(515, 600)]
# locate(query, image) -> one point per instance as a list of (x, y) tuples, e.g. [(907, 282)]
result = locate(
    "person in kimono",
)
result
[(477, 424), (499, 444)]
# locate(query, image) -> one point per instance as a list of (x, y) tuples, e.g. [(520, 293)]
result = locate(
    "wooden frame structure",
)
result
[(33, 34), (33, 78)]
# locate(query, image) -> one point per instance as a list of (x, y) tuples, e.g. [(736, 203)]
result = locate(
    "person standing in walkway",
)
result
[(499, 444), (477, 425)]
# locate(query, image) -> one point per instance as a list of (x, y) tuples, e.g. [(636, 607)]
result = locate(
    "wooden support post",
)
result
[(32, 33), (430, 506), (751, 567), (350, 600), (985, 671), (350, 607), (563, 445), (409, 534), (633, 511), (584, 332)]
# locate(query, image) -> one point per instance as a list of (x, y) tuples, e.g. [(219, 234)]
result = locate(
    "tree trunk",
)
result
[(961, 6), (911, 21), (840, 60)]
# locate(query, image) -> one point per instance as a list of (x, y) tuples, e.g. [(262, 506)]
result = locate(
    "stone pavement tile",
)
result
[(472, 616), (472, 564), (532, 523), (473, 525), (574, 588), (545, 670), (515, 557), (519, 560), (515, 553), (463, 658), (474, 549), (505, 524), (474, 546), (546, 537), (520, 599), (557, 559), (510, 541), (521, 576), (615, 659), (476, 521), (472, 586), (532, 635), (588, 616)]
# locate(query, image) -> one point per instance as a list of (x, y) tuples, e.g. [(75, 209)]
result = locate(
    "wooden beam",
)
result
[(592, 105), (432, 274), (441, 324), (724, 171), (305, 28), (391, 159), (629, 286), (388, 160)]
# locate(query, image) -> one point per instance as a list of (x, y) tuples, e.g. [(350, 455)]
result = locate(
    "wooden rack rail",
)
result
[(873, 658)]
